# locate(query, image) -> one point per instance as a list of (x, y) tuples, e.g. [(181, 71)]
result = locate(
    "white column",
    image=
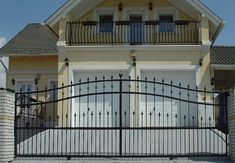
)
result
[(7, 105)]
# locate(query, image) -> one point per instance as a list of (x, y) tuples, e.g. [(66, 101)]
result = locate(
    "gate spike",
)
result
[(120, 75)]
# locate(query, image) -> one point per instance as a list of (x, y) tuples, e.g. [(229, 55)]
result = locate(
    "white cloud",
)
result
[(3, 40)]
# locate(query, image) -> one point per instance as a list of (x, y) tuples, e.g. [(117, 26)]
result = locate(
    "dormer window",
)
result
[(106, 23), (166, 23)]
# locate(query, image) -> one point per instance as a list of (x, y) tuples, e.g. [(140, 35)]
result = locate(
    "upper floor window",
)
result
[(166, 23), (106, 23)]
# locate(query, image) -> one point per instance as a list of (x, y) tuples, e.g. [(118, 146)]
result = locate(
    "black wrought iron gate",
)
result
[(119, 117)]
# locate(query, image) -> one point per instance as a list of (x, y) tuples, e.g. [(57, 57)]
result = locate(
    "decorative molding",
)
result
[(205, 48)]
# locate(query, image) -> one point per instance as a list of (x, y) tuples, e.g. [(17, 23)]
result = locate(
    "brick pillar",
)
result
[(7, 105), (231, 124)]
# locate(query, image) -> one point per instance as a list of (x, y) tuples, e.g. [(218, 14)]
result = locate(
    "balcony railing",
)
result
[(133, 33)]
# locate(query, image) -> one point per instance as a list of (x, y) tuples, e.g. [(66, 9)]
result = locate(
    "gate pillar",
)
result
[(7, 109)]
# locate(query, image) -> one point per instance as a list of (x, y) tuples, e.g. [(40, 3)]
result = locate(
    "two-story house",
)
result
[(118, 63)]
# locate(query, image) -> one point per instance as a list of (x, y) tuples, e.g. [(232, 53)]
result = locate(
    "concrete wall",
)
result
[(7, 100)]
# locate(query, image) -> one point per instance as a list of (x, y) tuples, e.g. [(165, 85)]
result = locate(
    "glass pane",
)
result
[(166, 23), (106, 23)]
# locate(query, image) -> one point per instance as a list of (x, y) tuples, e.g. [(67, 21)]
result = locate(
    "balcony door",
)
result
[(136, 29)]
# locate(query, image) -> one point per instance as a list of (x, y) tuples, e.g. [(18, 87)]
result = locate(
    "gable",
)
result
[(188, 9)]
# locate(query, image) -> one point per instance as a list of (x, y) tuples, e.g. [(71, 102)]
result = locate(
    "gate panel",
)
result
[(164, 120)]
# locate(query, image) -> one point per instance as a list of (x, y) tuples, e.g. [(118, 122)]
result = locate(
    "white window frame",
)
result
[(49, 85), (167, 11), (104, 11), (26, 80), (127, 11)]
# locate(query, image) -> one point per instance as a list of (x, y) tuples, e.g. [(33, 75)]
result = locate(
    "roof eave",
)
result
[(61, 12)]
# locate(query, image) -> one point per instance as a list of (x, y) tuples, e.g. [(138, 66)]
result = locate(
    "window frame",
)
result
[(49, 87), (166, 25), (166, 11), (104, 11), (104, 26), (24, 80)]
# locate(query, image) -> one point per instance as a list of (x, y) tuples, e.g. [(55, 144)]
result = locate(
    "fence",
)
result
[(111, 117)]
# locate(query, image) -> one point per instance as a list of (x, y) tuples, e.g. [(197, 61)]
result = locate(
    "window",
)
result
[(25, 86), (166, 23), (54, 93), (106, 23), (27, 98)]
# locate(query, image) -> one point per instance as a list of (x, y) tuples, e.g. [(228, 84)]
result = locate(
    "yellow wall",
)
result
[(133, 3), (123, 58)]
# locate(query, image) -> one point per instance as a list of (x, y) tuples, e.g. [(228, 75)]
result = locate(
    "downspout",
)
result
[(219, 29), (5, 67)]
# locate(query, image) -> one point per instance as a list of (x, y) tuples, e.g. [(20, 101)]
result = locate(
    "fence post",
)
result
[(120, 115), (231, 123), (7, 105)]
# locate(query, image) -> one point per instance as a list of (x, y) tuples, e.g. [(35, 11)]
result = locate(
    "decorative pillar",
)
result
[(7, 112)]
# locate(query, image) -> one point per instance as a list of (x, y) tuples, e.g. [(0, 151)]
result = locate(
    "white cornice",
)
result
[(205, 48)]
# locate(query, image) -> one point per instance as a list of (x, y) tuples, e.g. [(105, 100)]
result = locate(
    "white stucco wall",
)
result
[(3, 74)]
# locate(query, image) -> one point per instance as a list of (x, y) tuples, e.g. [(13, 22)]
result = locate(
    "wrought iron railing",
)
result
[(133, 33), (122, 117)]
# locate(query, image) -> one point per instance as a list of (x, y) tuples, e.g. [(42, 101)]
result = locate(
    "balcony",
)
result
[(133, 33)]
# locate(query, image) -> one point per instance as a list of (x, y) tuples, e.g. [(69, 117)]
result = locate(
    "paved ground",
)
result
[(125, 160)]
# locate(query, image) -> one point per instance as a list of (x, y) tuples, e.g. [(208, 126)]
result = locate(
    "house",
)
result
[(129, 70)]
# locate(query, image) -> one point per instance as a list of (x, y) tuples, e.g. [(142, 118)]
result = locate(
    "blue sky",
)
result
[(15, 14)]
